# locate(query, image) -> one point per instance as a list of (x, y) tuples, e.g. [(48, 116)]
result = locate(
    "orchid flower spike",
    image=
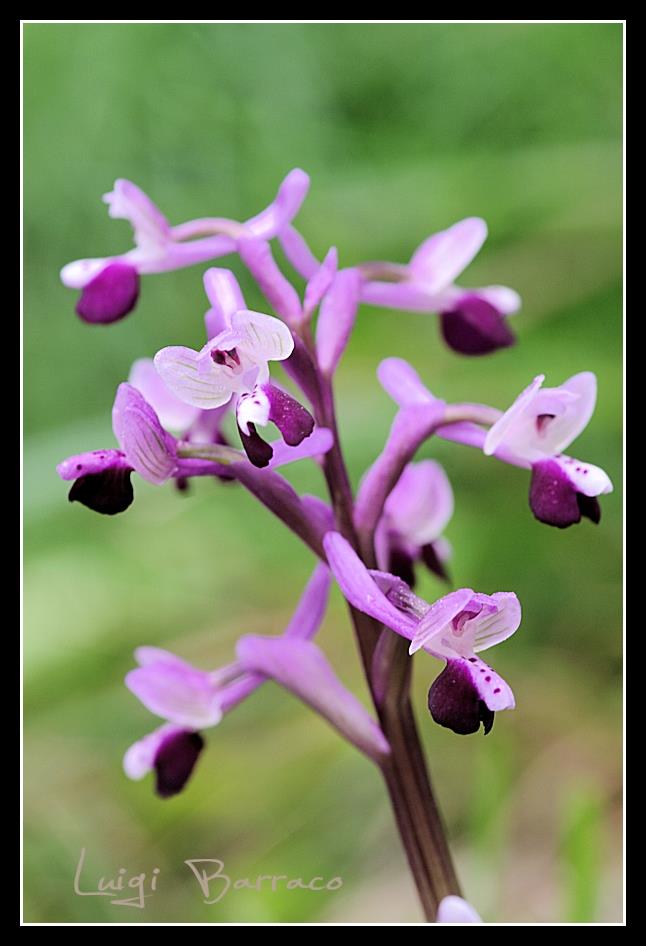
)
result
[(236, 362), (472, 321), (415, 515), (456, 910), (110, 287), (191, 700), (538, 426), (468, 691)]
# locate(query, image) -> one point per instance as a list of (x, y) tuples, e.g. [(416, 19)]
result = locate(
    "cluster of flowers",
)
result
[(169, 422)]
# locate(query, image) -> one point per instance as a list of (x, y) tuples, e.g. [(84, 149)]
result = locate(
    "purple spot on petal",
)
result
[(497, 690)]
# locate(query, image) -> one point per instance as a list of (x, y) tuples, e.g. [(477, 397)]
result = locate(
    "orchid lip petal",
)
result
[(140, 757), (563, 489), (585, 477), (473, 326), (258, 451), (110, 294), (292, 419), (267, 403), (468, 692), (506, 300), (171, 751), (101, 480), (252, 408), (455, 702), (93, 462), (175, 760), (109, 492)]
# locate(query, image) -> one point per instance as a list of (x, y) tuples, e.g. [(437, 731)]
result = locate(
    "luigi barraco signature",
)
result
[(127, 890)]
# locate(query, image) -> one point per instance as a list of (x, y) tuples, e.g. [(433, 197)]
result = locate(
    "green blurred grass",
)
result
[(404, 129)]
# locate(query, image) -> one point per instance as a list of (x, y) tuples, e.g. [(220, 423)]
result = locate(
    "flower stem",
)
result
[(387, 668)]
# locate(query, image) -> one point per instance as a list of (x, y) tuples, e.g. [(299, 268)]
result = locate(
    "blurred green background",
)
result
[(404, 129)]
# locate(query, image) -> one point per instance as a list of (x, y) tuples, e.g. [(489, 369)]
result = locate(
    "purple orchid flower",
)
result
[(472, 321), (235, 362), (191, 700), (456, 910), (102, 477), (531, 434), (110, 287), (415, 515), (468, 691), (538, 426)]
